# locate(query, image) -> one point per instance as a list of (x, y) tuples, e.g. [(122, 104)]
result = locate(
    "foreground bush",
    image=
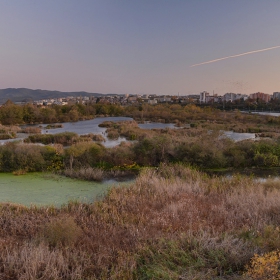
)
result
[(171, 223), (62, 231), (263, 267)]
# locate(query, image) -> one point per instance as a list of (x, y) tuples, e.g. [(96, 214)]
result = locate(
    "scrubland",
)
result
[(198, 146), (173, 222)]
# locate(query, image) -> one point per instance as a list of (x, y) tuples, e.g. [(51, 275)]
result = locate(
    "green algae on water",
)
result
[(43, 189)]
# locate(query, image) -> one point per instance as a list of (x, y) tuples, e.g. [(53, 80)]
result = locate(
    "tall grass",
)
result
[(173, 222), (85, 173)]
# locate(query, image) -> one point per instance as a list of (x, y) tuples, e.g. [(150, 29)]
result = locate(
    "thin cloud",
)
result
[(236, 55)]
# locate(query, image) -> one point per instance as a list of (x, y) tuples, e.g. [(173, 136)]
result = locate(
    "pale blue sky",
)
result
[(140, 46)]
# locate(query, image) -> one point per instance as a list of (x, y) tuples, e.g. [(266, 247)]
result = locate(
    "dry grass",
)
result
[(61, 232), (19, 172), (38, 261), (93, 137), (85, 173), (172, 223), (31, 130)]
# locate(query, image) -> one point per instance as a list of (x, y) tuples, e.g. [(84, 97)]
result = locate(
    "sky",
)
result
[(140, 46)]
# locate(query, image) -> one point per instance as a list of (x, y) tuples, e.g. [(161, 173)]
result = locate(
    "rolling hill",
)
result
[(27, 95)]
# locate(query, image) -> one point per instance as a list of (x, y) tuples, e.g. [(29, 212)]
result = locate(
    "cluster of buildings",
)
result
[(205, 97), (125, 99)]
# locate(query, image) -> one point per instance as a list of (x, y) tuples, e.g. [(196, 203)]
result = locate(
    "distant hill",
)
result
[(27, 95)]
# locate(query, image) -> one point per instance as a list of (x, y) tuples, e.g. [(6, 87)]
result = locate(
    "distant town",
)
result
[(40, 97), (125, 99)]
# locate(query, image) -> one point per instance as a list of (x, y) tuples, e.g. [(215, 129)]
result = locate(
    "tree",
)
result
[(75, 151), (11, 114)]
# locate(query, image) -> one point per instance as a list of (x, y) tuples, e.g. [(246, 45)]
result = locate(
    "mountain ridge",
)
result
[(29, 95)]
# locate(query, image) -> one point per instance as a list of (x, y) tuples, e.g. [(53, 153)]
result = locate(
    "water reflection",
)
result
[(155, 125), (253, 172), (80, 127), (274, 114), (235, 136), (84, 127), (92, 126)]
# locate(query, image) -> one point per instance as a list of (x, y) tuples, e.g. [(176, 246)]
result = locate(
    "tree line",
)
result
[(12, 114)]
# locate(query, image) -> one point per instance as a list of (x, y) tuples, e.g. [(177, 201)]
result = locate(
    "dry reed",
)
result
[(172, 223)]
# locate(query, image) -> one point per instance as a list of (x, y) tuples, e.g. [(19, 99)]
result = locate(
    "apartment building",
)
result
[(276, 95), (260, 96)]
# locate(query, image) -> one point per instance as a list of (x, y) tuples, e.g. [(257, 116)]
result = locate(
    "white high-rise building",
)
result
[(203, 96)]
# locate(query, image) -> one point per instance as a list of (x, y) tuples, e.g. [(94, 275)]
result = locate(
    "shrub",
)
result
[(269, 238), (62, 231), (64, 138), (90, 174), (19, 172), (267, 160), (112, 133), (5, 136), (94, 137), (264, 267), (52, 126), (31, 129)]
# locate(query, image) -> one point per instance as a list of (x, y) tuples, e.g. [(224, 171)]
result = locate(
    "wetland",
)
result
[(173, 221)]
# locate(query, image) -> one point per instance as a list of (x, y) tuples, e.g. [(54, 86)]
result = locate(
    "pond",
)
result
[(84, 127), (43, 189), (92, 126), (89, 126), (260, 174), (236, 136), (274, 114), (155, 125)]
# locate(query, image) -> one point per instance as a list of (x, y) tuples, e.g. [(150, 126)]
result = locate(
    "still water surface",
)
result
[(236, 136), (91, 126), (47, 189), (274, 114)]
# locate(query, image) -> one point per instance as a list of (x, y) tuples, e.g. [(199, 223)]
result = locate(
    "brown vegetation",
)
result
[(207, 117), (90, 174), (8, 132), (53, 126), (99, 174), (172, 223), (31, 130)]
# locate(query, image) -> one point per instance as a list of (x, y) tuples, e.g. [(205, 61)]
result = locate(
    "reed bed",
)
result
[(86, 173), (173, 222), (31, 130), (98, 174)]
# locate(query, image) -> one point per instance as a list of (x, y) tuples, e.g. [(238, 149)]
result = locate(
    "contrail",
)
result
[(236, 55)]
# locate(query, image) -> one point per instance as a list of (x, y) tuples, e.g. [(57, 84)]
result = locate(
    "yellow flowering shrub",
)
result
[(265, 267)]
